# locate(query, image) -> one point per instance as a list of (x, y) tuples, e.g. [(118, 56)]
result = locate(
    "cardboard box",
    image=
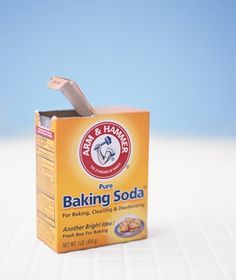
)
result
[(92, 173)]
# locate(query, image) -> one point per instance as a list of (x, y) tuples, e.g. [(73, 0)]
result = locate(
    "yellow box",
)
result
[(92, 175)]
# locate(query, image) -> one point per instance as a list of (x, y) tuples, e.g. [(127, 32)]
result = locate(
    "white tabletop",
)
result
[(192, 218)]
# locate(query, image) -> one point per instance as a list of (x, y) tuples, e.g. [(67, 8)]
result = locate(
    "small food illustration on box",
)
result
[(129, 226)]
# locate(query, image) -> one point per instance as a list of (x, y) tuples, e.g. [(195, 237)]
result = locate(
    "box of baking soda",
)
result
[(92, 173)]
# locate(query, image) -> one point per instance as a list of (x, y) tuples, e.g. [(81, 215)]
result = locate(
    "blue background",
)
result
[(176, 58)]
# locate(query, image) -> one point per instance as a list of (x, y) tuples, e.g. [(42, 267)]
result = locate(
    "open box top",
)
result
[(82, 107)]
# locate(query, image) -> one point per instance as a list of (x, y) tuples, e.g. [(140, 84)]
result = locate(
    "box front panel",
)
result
[(102, 166)]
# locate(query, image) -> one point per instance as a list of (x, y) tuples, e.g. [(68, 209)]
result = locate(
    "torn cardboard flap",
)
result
[(74, 94)]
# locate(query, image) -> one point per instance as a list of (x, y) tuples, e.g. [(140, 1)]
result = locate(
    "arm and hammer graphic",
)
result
[(106, 156)]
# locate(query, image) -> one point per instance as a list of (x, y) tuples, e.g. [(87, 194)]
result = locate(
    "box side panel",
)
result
[(45, 183)]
